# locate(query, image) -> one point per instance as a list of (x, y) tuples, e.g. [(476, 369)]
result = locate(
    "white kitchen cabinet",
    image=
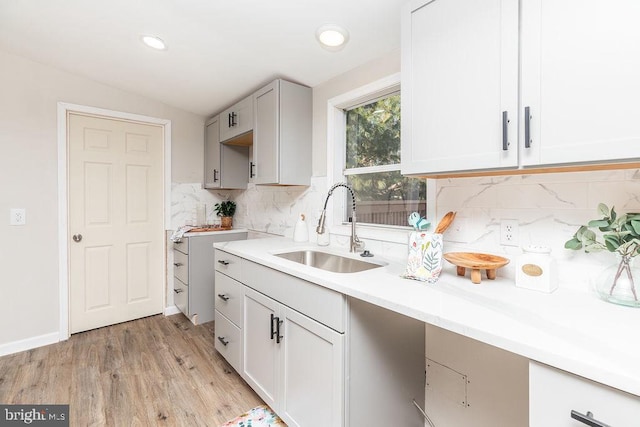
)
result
[(554, 394), (225, 166), (293, 362), (193, 274), (282, 134), (580, 80), (237, 119), (459, 85), (578, 85)]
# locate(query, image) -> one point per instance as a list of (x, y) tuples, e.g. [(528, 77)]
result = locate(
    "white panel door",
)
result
[(580, 71), (459, 80), (115, 219), (312, 364)]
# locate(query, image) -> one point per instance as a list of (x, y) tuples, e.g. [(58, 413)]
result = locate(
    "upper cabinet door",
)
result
[(237, 119), (212, 153), (459, 85), (225, 166), (266, 134), (282, 134), (580, 68)]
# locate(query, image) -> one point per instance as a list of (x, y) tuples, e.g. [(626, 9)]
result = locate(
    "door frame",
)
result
[(63, 197)]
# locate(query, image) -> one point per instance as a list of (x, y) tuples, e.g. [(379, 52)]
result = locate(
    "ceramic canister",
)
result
[(536, 269)]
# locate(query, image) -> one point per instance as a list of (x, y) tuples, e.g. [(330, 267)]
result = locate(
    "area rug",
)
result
[(260, 416)]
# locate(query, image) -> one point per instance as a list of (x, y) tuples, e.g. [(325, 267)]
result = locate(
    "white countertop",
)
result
[(571, 330)]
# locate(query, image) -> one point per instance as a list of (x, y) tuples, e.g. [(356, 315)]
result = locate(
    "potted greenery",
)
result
[(225, 211), (620, 235)]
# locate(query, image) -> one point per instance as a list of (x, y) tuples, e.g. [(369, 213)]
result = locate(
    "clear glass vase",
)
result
[(620, 282)]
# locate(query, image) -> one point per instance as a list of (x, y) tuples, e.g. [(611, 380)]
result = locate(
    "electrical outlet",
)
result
[(509, 232), (17, 216)]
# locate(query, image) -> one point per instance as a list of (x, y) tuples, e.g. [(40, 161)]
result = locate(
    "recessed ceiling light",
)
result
[(154, 42), (332, 37)]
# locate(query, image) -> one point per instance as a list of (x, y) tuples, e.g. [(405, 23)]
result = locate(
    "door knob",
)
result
[(77, 237)]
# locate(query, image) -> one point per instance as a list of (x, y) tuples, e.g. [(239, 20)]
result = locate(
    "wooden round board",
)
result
[(476, 262)]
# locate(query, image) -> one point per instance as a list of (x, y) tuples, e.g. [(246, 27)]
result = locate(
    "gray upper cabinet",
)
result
[(282, 134), (225, 166), (237, 119)]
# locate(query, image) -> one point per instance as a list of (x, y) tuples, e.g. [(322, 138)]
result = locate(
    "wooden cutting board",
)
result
[(476, 262), (196, 230)]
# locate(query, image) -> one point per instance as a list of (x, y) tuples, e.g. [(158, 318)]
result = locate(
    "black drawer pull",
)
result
[(587, 419), (177, 264), (223, 341), (223, 262), (223, 297)]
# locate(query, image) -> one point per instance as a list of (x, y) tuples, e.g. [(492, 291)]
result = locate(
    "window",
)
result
[(372, 163)]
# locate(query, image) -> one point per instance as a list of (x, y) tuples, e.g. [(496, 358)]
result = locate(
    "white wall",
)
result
[(29, 93)]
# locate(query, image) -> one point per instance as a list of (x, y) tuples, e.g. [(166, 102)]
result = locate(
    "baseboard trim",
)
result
[(29, 343), (168, 311)]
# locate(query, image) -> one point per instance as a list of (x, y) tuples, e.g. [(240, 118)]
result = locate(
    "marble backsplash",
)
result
[(548, 208)]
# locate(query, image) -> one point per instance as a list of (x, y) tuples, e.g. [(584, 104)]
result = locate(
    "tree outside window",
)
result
[(372, 164)]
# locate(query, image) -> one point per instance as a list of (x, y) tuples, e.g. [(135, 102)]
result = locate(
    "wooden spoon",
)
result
[(445, 222)]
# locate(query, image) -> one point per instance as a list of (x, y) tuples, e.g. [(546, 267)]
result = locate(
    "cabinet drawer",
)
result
[(229, 298), (181, 296), (228, 264), (228, 340), (319, 303), (181, 266), (182, 245), (553, 394)]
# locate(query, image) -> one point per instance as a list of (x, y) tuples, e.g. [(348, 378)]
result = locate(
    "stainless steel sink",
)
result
[(327, 261)]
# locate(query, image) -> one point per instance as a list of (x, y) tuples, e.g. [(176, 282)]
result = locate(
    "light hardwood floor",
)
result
[(152, 371)]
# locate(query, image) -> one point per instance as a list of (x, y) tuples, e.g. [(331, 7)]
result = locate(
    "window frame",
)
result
[(336, 154)]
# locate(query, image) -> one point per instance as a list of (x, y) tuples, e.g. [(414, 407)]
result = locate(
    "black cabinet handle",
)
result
[(229, 120), (177, 264), (587, 419), (251, 166), (223, 262), (215, 175), (278, 336), (527, 127), (273, 328), (505, 131), (233, 119), (223, 297), (223, 341)]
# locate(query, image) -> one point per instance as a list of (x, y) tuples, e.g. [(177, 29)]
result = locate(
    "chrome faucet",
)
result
[(354, 242)]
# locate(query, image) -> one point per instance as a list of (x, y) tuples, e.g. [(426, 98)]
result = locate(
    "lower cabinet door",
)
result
[(312, 366), (553, 394), (260, 367), (228, 340)]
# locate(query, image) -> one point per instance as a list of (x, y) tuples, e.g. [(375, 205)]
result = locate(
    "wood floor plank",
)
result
[(153, 371)]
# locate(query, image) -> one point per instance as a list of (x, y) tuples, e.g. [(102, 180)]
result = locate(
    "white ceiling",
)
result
[(218, 50)]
